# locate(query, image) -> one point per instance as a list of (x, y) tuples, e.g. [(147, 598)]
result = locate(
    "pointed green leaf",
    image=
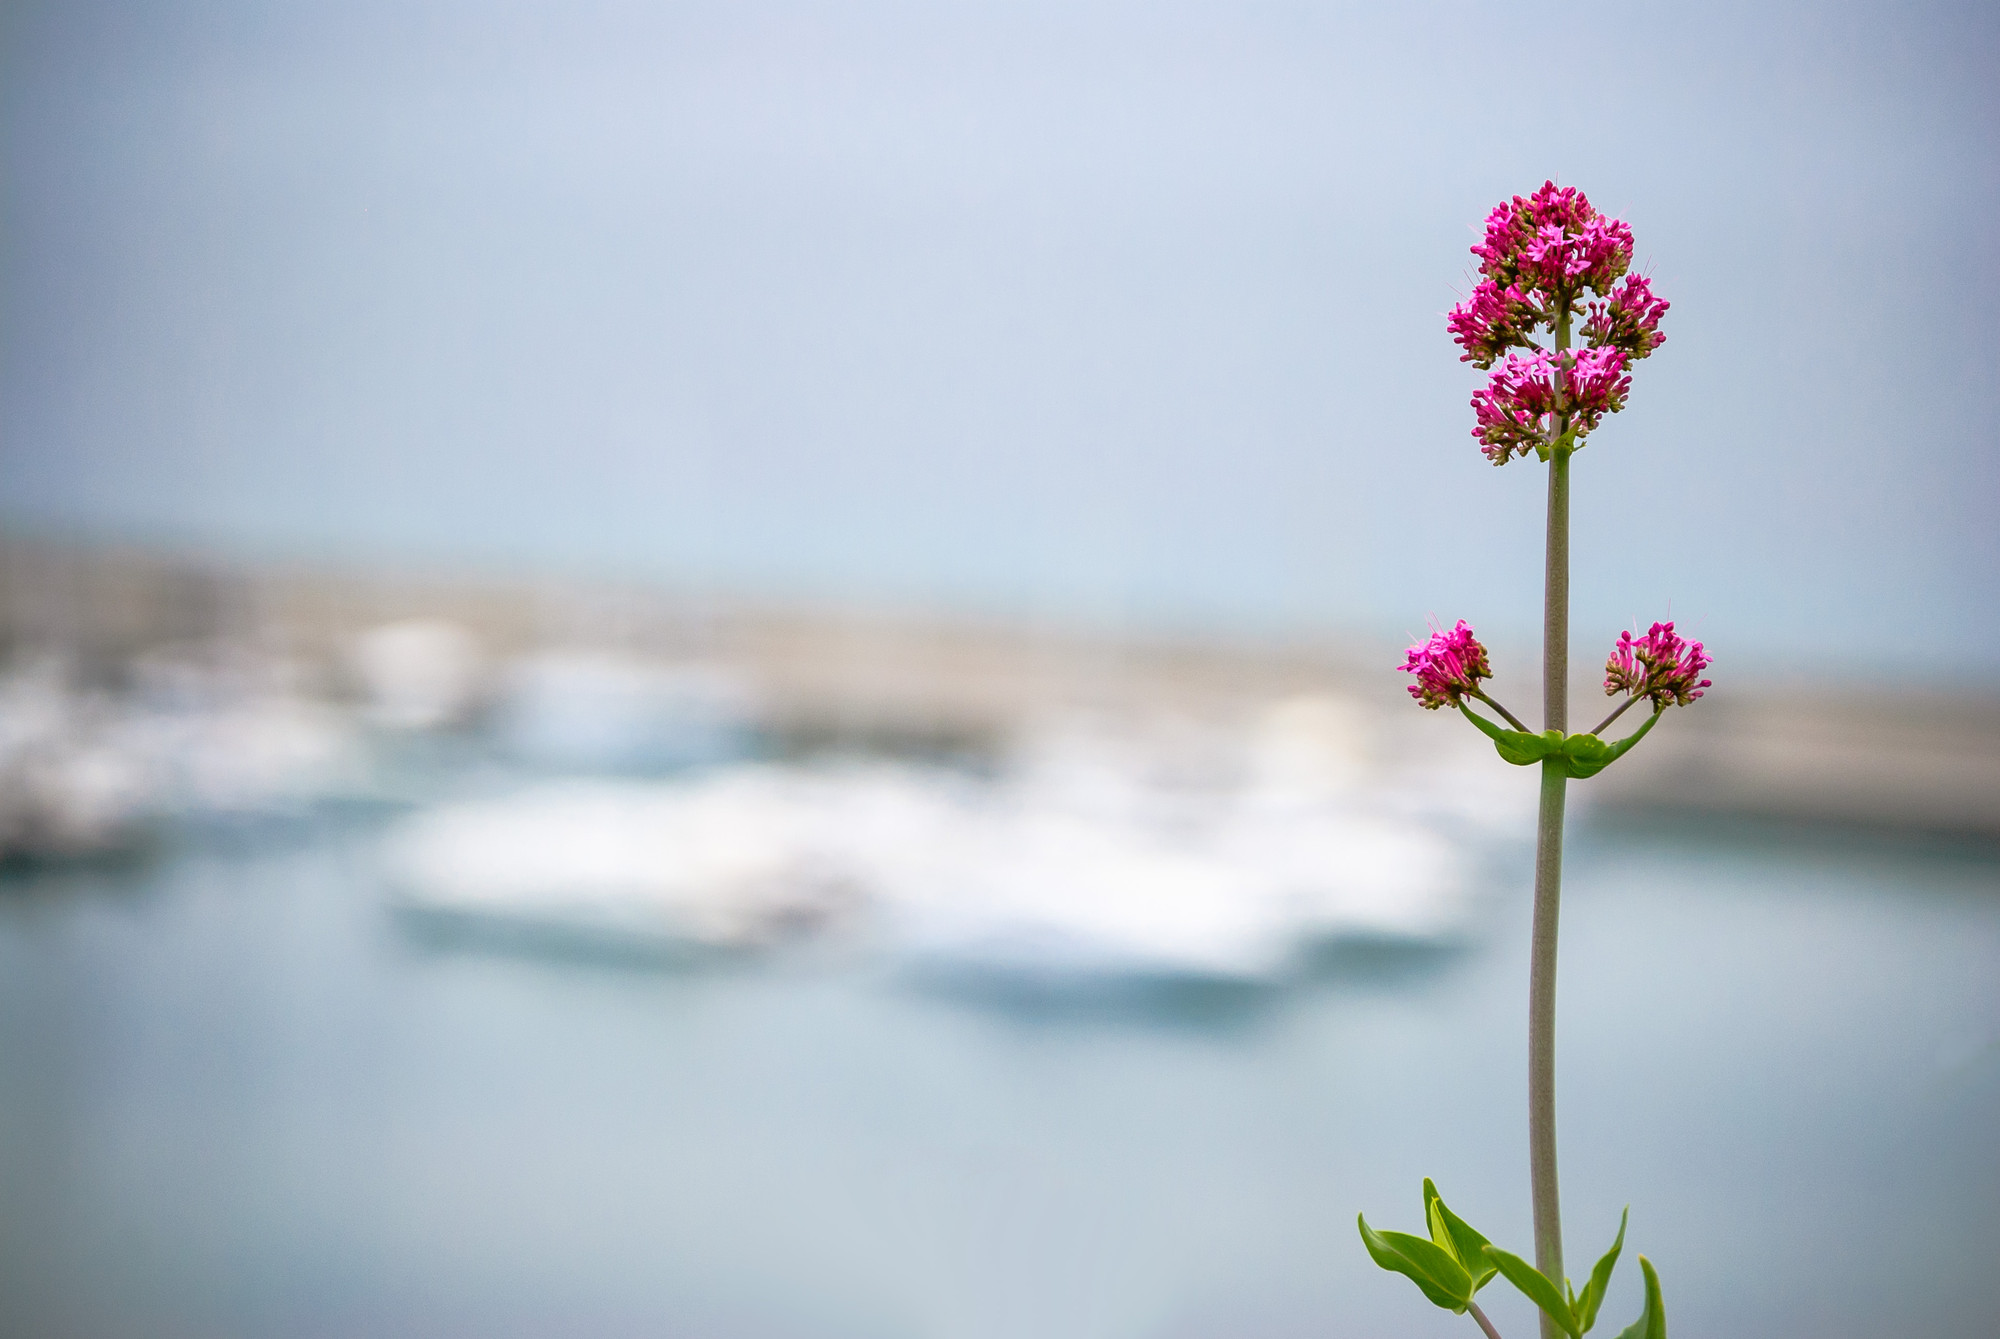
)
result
[(1586, 755), (1516, 746), (1600, 1279), (1424, 1263), (1435, 1221), (1652, 1322), (1457, 1236), (1521, 748), (1536, 1285)]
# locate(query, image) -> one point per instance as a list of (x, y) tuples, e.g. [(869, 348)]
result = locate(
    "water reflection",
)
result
[(241, 1098), (808, 1043)]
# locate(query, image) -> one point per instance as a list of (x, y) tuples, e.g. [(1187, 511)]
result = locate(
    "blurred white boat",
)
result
[(260, 756), (418, 673), (86, 773), (723, 862), (67, 787), (1094, 854), (1141, 854)]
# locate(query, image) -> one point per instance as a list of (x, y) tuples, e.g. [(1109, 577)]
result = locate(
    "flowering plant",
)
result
[(1545, 260)]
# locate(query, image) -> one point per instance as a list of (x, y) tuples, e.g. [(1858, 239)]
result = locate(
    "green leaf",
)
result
[(1516, 746), (1587, 755), (1424, 1263), (1582, 755), (1457, 1236), (1536, 1285), (1600, 1279), (1435, 1221), (1652, 1322), (1521, 748)]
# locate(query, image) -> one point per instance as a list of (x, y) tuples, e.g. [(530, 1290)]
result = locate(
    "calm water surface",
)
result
[(238, 1097)]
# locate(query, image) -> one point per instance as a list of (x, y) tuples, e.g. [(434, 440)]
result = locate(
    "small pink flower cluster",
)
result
[(1448, 667), (1555, 242), (1492, 321), (1565, 261), (1516, 410), (1539, 255), (1660, 665), (1630, 320)]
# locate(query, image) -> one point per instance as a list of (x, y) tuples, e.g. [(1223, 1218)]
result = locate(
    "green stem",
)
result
[(1512, 719), (1605, 724), (1548, 873), (1542, 1029)]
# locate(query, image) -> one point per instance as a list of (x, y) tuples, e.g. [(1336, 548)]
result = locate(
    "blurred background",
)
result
[(727, 670)]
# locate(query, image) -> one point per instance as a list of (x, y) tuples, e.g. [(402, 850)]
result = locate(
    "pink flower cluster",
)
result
[(1492, 321), (1518, 408), (1555, 242), (1448, 667), (1661, 665), (1539, 255), (1630, 320)]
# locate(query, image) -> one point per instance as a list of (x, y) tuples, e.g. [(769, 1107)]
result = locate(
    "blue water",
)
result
[(238, 1097)]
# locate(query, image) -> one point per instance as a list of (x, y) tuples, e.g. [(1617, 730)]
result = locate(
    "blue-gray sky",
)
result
[(1120, 311)]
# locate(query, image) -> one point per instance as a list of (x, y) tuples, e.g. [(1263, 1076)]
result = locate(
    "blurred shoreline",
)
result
[(830, 677)]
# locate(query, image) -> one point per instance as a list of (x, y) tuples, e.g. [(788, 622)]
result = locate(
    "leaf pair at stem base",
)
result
[(1580, 755), (1455, 1262)]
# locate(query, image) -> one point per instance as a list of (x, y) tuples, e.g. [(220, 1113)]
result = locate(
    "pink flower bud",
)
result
[(1596, 384), (1448, 667), (1660, 665), (1630, 320), (1553, 243), (1492, 321), (1516, 411)]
